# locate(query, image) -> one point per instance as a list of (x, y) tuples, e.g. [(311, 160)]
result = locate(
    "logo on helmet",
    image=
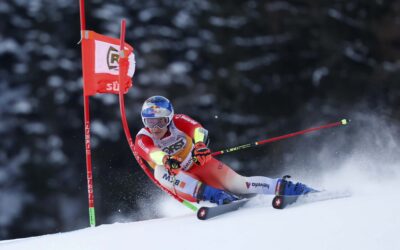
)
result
[(157, 111)]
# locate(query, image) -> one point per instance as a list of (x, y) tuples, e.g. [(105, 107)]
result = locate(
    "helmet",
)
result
[(154, 108)]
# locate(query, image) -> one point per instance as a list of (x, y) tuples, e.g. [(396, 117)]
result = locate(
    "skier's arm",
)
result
[(200, 135), (146, 149), (191, 128), (201, 153)]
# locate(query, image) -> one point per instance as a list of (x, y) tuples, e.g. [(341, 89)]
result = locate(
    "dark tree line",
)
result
[(246, 70)]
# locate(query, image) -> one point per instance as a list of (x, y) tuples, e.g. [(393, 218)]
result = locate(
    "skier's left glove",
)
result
[(201, 153)]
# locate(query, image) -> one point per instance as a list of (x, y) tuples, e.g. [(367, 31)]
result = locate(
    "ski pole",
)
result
[(278, 138)]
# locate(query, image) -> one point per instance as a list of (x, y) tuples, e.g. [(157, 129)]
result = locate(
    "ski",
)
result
[(279, 202), (205, 213), (282, 201)]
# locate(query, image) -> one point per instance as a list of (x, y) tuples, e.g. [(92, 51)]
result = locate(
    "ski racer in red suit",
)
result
[(175, 146)]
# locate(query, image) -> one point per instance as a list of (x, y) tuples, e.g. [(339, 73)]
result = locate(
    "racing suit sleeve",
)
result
[(146, 149), (191, 127)]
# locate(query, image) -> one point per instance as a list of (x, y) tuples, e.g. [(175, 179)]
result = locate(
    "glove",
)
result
[(172, 163), (201, 153)]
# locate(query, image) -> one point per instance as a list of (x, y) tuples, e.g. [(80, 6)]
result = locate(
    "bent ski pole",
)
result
[(258, 143)]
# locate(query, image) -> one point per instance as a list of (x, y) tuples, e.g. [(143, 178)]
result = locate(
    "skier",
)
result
[(175, 146)]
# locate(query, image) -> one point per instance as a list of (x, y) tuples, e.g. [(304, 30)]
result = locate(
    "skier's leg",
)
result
[(189, 188), (219, 175), (181, 184)]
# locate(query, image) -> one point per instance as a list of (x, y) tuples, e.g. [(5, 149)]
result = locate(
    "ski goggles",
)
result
[(156, 122)]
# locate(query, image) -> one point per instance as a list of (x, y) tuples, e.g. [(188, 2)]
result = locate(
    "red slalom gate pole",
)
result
[(123, 63), (89, 173), (278, 138)]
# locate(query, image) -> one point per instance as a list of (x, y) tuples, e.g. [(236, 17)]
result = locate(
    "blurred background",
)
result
[(247, 70)]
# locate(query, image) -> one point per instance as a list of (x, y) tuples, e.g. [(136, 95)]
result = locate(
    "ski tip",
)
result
[(202, 213), (277, 202)]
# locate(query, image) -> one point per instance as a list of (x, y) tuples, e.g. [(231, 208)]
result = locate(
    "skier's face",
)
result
[(160, 122), (158, 133)]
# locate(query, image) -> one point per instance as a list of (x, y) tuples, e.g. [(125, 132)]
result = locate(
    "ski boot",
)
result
[(220, 197), (287, 188), (287, 192)]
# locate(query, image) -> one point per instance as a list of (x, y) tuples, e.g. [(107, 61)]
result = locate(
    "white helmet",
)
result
[(157, 107)]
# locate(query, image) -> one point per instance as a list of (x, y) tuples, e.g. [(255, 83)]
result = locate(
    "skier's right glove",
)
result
[(172, 163)]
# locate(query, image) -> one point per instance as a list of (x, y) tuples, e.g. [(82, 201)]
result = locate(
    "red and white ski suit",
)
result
[(179, 141)]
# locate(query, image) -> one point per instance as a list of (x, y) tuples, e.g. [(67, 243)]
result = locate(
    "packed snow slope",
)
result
[(362, 221), (369, 219)]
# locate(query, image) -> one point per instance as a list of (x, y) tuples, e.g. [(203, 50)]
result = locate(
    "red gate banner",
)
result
[(100, 55)]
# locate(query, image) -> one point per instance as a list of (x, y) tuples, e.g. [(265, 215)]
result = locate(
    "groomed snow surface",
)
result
[(369, 219)]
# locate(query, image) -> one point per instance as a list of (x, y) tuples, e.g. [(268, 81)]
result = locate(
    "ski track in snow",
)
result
[(368, 220), (364, 221)]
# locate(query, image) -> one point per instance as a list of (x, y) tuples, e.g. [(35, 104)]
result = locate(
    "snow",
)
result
[(183, 20), (281, 6), (148, 14), (261, 40), (318, 74), (231, 22), (256, 62), (368, 220), (339, 16)]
